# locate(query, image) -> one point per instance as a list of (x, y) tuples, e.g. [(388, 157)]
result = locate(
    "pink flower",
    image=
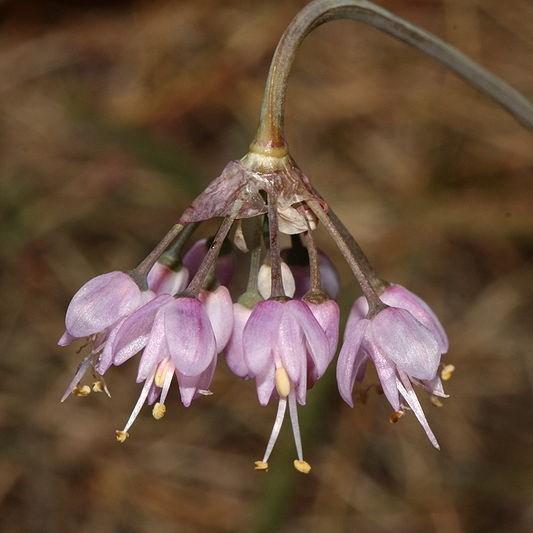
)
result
[(100, 303), (404, 345), (284, 347), (178, 337)]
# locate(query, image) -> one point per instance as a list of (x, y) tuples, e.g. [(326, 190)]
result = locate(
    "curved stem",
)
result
[(270, 133), (314, 269)]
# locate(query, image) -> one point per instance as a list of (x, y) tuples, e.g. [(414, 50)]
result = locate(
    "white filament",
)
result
[(282, 406), (293, 412), (140, 402)]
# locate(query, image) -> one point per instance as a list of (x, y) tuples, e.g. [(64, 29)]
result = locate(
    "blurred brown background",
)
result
[(113, 115)]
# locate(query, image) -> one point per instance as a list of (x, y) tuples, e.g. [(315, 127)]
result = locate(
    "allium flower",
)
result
[(405, 346), (284, 348), (178, 336)]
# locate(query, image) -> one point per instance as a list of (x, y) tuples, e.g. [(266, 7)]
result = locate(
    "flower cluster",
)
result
[(179, 310)]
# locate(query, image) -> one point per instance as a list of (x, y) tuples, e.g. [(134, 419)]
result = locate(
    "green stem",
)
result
[(270, 135)]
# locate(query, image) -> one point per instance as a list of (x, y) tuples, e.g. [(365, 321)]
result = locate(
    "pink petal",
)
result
[(191, 385), (265, 384), (234, 350), (260, 335), (190, 338), (134, 333), (402, 339), (398, 296), (351, 359), (316, 341), (156, 349), (106, 357), (290, 348), (406, 390), (327, 314), (219, 309), (358, 311), (386, 372), (80, 372), (100, 303), (66, 339)]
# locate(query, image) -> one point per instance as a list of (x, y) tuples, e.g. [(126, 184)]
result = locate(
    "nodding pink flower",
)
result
[(100, 303), (163, 279), (405, 348), (284, 348), (329, 277), (96, 312), (178, 336), (225, 265)]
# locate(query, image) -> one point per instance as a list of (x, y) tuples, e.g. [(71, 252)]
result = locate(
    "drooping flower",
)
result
[(178, 336), (405, 347), (284, 349)]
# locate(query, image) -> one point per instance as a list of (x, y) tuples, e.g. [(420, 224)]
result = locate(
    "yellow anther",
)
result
[(159, 410), (98, 386), (283, 384), (261, 465), (436, 401), (121, 436), (85, 390), (394, 417), (446, 372), (302, 466)]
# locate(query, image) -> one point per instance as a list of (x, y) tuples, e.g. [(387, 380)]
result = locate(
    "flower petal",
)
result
[(191, 385), (165, 280), (290, 347), (406, 390), (402, 339), (327, 314), (156, 349), (100, 303), (316, 341), (351, 358), (260, 335), (106, 357), (398, 296), (190, 338), (219, 309), (234, 350), (134, 333), (265, 383), (386, 371)]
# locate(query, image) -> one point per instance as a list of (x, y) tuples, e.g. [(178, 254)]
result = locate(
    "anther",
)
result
[(302, 466), (159, 410), (446, 372), (283, 384), (98, 386), (395, 417), (83, 391), (436, 401), (121, 436), (261, 465)]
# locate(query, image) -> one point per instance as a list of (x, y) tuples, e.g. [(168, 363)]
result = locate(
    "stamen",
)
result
[(283, 385), (395, 417), (159, 410), (123, 435), (446, 372), (83, 391), (166, 384), (282, 406), (435, 401), (98, 386), (300, 465)]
